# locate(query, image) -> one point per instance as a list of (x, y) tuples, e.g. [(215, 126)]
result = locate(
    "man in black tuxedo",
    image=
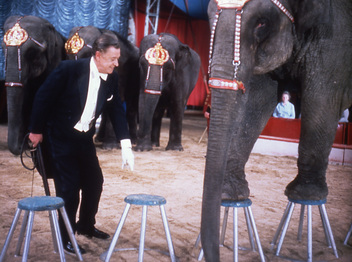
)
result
[(64, 113)]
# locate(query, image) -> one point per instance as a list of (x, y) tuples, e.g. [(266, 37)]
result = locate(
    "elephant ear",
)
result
[(183, 56), (312, 15)]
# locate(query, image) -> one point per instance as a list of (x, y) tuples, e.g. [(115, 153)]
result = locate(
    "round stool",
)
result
[(40, 203), (144, 201), (246, 205), (286, 219)]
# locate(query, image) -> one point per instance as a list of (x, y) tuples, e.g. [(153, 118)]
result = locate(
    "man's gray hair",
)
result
[(104, 41)]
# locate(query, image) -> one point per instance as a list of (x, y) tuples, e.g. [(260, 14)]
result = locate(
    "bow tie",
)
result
[(103, 76)]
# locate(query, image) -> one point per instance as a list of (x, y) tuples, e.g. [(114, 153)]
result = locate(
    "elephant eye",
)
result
[(261, 30)]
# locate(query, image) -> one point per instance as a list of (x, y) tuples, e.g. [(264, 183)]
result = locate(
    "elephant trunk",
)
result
[(226, 112), (16, 123), (147, 105), (148, 99)]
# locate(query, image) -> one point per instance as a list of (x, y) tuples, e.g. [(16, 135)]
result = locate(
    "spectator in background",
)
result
[(285, 109), (344, 117)]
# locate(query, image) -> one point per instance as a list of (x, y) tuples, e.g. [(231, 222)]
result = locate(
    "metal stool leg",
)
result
[(285, 226), (168, 234), (329, 230), (300, 227), (197, 241), (327, 237), (53, 234), (117, 233), (28, 236), (224, 225), (348, 235), (278, 231), (235, 235), (22, 233), (70, 233), (260, 250), (57, 235), (249, 228), (10, 234), (309, 225), (201, 254), (142, 238)]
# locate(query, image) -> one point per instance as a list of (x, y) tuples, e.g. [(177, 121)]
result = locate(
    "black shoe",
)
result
[(69, 249), (93, 233)]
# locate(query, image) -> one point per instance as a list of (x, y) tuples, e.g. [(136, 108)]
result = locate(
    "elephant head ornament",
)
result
[(169, 72), (33, 48), (254, 44)]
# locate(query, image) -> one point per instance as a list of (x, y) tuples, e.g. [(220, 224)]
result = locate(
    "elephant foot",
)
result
[(175, 147), (134, 141), (155, 144), (110, 145), (301, 189), (142, 147), (237, 192)]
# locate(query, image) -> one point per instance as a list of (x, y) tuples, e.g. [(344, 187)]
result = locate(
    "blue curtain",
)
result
[(65, 14)]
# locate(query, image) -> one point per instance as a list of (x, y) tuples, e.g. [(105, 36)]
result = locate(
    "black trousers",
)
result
[(76, 171)]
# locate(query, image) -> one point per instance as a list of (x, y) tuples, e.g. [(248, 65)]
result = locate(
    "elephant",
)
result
[(255, 45), (168, 71), (79, 45), (33, 48)]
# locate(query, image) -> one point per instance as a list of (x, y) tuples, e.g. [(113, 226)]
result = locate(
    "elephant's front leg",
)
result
[(156, 123), (176, 118), (255, 115), (318, 129), (147, 105)]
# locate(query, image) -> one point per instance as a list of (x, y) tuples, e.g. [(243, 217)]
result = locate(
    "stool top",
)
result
[(308, 202), (41, 203), (240, 203), (145, 200)]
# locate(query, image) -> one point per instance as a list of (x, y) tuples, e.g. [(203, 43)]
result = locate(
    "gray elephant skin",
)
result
[(128, 71), (164, 86), (314, 51), (27, 65)]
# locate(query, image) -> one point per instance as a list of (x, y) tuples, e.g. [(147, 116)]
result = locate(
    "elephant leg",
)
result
[(175, 132), (101, 129), (156, 124), (106, 133), (146, 110), (131, 115), (318, 129), (256, 114), (109, 141)]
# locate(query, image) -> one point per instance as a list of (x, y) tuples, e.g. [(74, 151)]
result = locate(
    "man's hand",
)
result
[(35, 138), (127, 155)]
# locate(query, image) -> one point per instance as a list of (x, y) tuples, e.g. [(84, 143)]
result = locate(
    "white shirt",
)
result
[(88, 114)]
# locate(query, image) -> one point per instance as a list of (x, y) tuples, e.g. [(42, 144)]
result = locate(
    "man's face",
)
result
[(285, 98), (108, 60)]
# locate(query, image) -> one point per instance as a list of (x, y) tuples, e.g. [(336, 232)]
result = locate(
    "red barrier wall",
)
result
[(291, 129)]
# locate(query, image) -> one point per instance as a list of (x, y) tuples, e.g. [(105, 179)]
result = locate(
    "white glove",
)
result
[(127, 155)]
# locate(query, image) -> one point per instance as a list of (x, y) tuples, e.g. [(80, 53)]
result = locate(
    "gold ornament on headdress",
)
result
[(231, 3), (74, 44), (157, 55), (15, 36)]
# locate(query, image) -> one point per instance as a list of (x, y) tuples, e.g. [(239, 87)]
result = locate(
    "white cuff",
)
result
[(126, 143)]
